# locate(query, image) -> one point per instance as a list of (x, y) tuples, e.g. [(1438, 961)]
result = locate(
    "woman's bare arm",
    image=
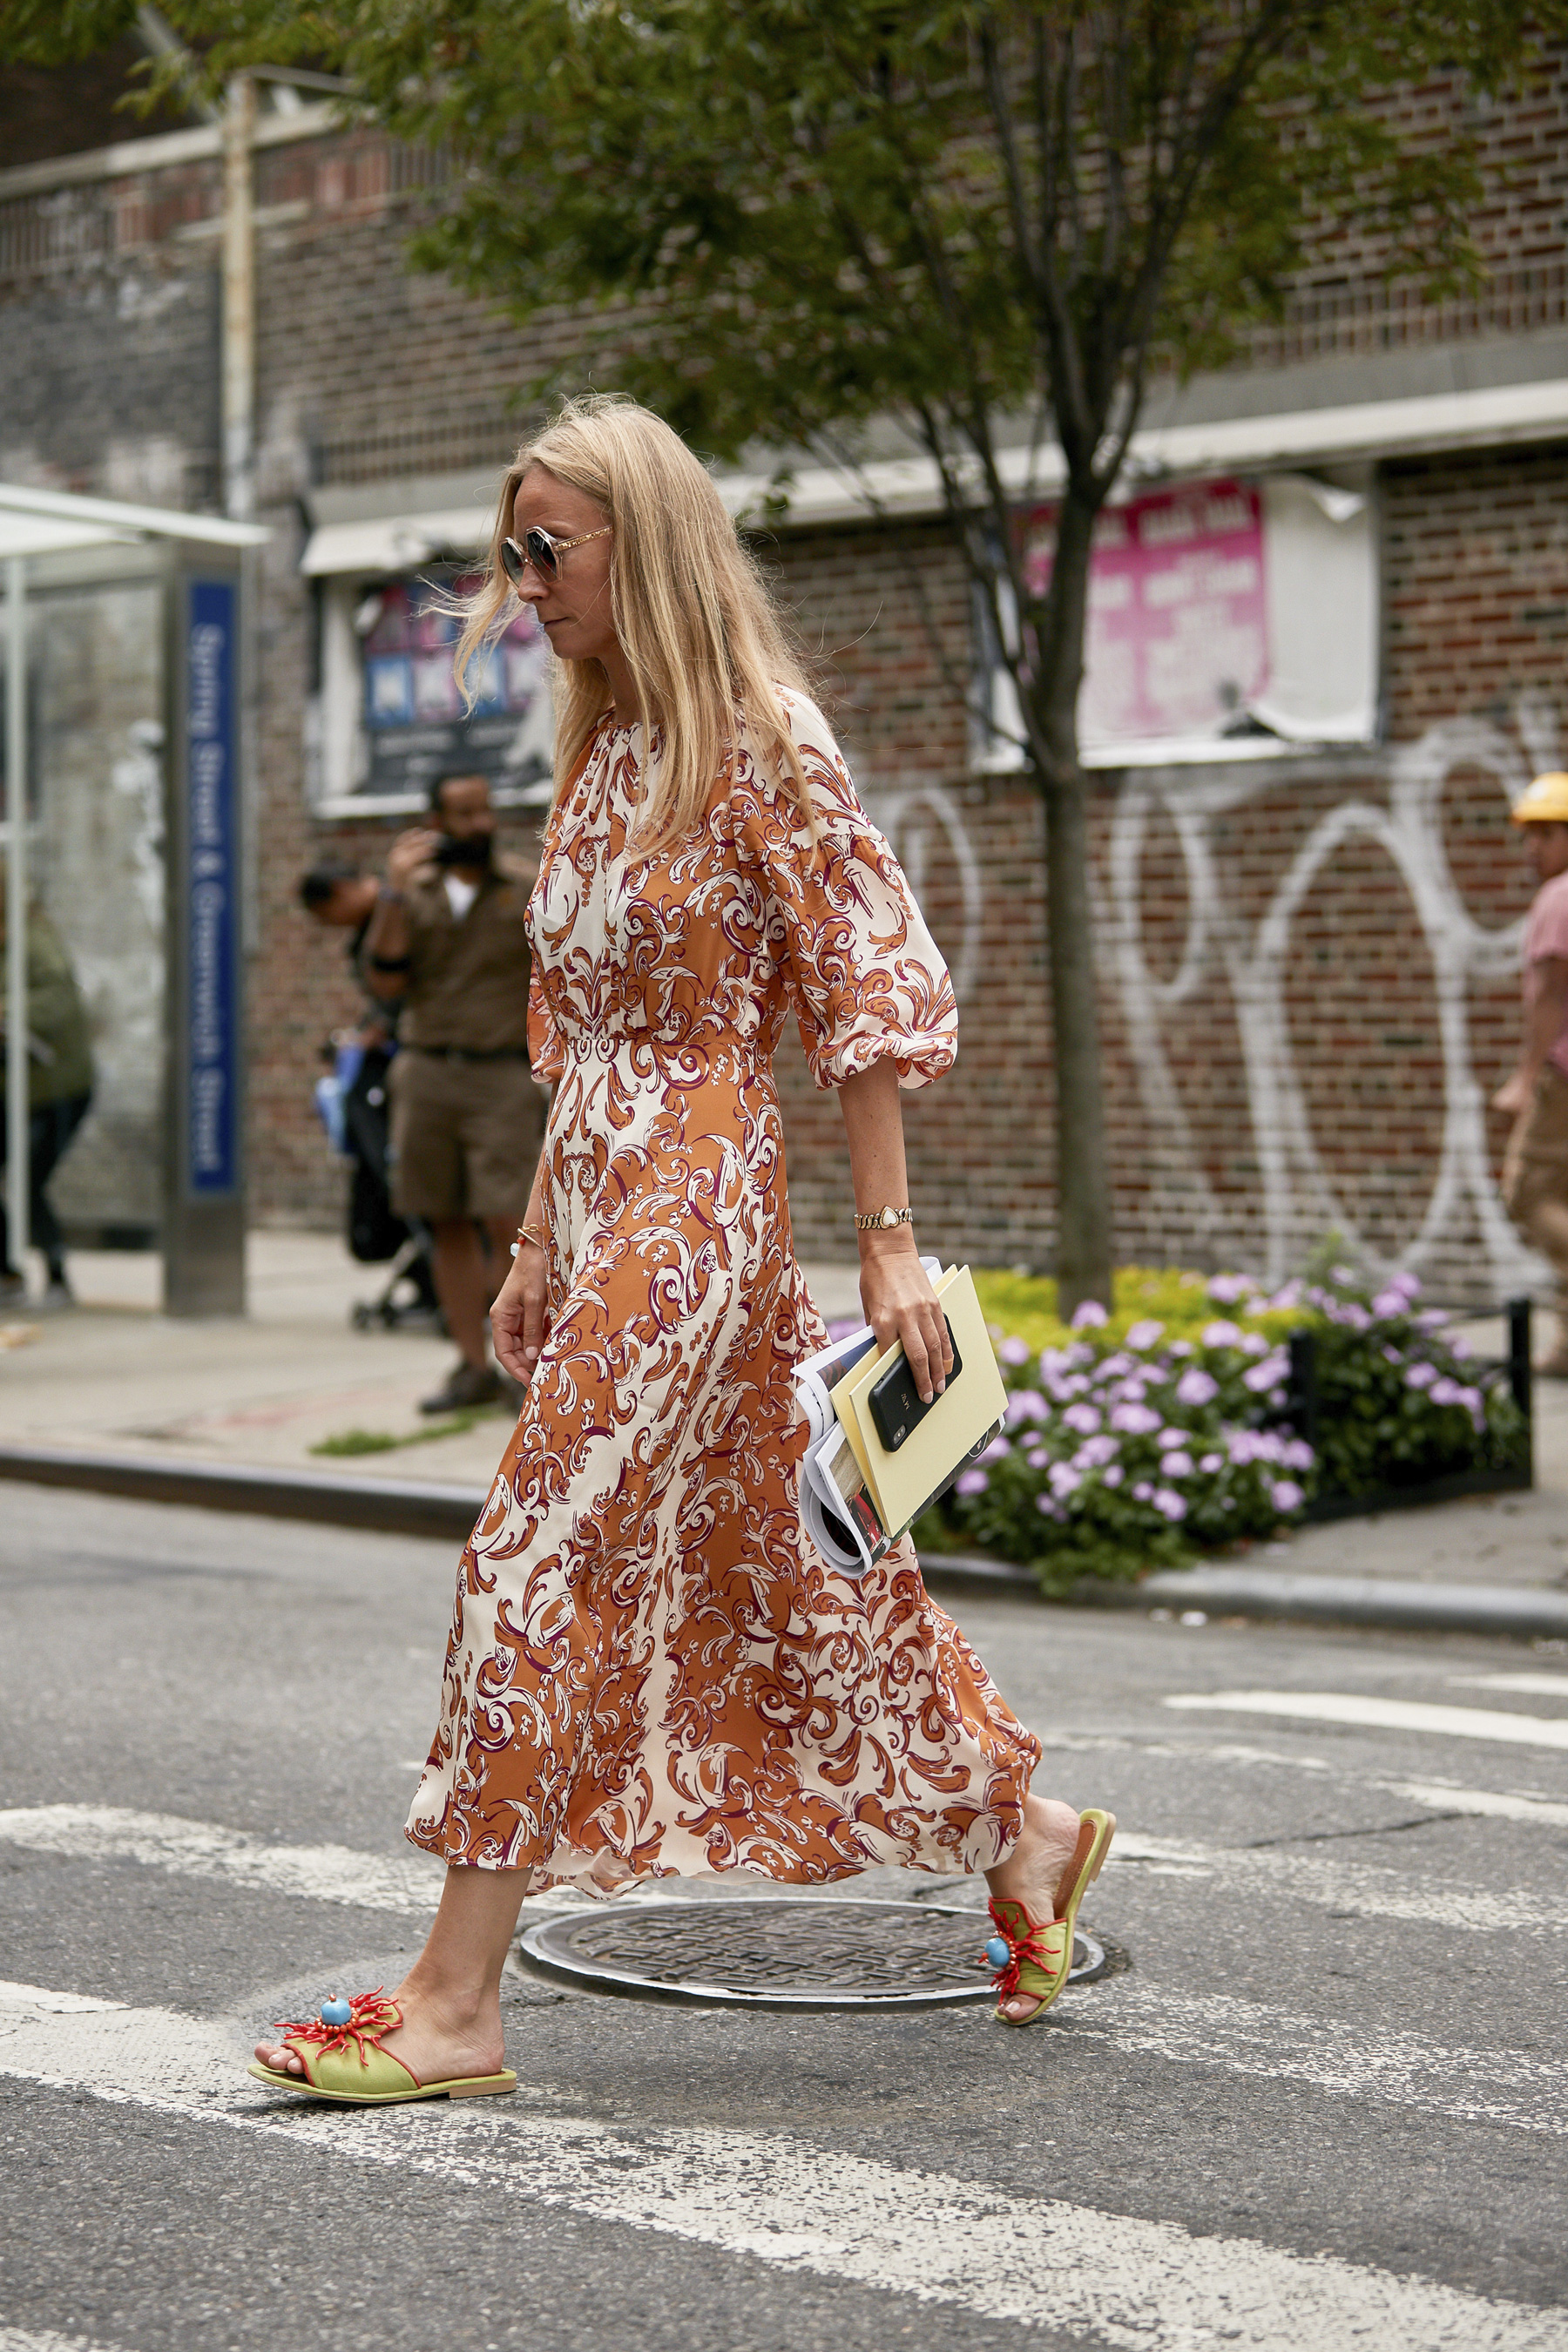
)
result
[(895, 1289)]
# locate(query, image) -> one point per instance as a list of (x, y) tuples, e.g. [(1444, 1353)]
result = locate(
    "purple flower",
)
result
[(1196, 1387), (1255, 1344), (1084, 1418), (1136, 1420), (1037, 1457), (1286, 1495), (1392, 1356), (1420, 1376), (1290, 1295), (1095, 1451), (1065, 1479), (1222, 1334), (1177, 1466), (1227, 1289), (1444, 1390), (1351, 1314), (1181, 1347), (972, 1482), (1169, 1437), (1459, 1347), (1112, 1367), (1297, 1455), (1027, 1404), (1211, 1463), (1113, 1476), (1433, 1319), (1014, 1351), (1167, 1500), (1143, 1336), (1129, 1391), (1142, 1492), (1047, 1507), (1390, 1301), (997, 1451), (1269, 1373), (1089, 1315)]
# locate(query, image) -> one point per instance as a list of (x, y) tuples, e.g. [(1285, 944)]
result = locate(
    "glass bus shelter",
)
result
[(125, 687)]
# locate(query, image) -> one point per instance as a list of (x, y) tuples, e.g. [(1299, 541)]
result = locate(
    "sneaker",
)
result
[(466, 1385)]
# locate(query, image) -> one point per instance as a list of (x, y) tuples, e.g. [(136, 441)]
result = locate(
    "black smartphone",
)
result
[(896, 1407)]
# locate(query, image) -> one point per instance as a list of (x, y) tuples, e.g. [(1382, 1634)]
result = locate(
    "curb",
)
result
[(414, 1507), (379, 1506)]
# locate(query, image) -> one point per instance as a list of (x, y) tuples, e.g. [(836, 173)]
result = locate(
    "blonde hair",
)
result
[(706, 651)]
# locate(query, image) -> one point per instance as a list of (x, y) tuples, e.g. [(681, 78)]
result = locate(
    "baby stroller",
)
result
[(351, 1101)]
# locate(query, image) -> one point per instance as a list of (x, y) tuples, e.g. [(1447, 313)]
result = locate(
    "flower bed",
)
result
[(1136, 1438)]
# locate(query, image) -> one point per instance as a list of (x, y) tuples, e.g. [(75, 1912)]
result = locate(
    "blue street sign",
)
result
[(212, 910)]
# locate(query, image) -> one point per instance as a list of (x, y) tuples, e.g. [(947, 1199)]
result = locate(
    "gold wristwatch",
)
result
[(883, 1219)]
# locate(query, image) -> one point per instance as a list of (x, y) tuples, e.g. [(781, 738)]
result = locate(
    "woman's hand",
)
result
[(518, 1321), (901, 1307)]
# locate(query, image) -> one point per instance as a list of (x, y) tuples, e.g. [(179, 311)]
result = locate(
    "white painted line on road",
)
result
[(54, 2004), (321, 1874), (1136, 2285), (1383, 1715), (27, 2339), (1499, 1803), (1322, 1877), (409, 1886), (1404, 2070), (1542, 1686)]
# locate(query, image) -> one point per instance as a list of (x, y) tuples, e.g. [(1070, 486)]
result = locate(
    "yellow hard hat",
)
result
[(1545, 802)]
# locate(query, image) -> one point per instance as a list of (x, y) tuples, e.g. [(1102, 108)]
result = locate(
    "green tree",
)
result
[(977, 230)]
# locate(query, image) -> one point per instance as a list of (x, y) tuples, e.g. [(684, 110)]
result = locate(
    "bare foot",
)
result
[(1032, 1874), (434, 2042)]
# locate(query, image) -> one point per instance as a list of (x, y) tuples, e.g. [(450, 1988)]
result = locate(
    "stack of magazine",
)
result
[(857, 1494)]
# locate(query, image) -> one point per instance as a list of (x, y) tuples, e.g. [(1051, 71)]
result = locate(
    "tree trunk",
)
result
[(1084, 1244)]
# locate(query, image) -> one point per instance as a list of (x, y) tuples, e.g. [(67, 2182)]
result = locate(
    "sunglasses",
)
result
[(542, 551)]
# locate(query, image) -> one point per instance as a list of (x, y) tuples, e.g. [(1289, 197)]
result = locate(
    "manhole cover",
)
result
[(769, 1953)]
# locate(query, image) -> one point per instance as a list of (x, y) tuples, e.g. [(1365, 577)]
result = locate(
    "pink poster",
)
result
[(1177, 639)]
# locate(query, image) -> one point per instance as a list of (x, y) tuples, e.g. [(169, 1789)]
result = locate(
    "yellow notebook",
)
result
[(904, 1483)]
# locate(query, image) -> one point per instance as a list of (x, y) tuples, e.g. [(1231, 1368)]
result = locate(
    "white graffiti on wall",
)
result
[(1299, 1200)]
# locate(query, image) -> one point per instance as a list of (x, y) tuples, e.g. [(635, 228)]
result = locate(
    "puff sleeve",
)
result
[(862, 973)]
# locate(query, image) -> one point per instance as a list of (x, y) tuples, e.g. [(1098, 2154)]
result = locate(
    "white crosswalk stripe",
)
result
[(1403, 2070), (403, 1882), (30, 2339), (1134, 2284), (410, 1886), (1373, 1714)]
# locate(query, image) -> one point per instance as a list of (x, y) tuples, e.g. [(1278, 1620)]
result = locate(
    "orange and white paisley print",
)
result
[(650, 1669)]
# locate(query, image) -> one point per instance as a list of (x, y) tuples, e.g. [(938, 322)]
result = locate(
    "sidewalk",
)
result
[(246, 1402)]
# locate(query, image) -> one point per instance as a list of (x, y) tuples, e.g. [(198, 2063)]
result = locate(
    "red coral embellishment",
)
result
[(370, 2014)]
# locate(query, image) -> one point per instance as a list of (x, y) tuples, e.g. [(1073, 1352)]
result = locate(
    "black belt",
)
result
[(472, 1053)]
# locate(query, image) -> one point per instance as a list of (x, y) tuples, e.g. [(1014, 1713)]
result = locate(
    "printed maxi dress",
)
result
[(650, 1668)]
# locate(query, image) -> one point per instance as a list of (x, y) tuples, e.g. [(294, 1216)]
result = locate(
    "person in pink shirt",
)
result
[(1535, 1166)]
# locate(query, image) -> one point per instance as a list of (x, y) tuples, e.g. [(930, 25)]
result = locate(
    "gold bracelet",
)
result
[(530, 1234), (884, 1219)]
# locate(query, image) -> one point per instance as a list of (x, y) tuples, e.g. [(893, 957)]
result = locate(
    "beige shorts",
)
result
[(466, 1136)]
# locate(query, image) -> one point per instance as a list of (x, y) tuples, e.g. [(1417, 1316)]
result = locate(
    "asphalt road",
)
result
[(1324, 2106)]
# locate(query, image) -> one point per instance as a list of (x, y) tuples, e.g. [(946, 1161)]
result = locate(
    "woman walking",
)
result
[(651, 1671)]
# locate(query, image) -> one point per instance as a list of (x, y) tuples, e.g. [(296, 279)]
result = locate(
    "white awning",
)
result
[(403, 538), (396, 542)]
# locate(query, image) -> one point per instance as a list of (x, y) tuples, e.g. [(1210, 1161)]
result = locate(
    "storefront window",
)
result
[(410, 722)]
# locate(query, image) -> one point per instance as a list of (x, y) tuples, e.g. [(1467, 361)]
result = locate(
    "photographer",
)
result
[(447, 939)]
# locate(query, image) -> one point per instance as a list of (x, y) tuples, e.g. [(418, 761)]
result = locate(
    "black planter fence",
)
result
[(1303, 1410)]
